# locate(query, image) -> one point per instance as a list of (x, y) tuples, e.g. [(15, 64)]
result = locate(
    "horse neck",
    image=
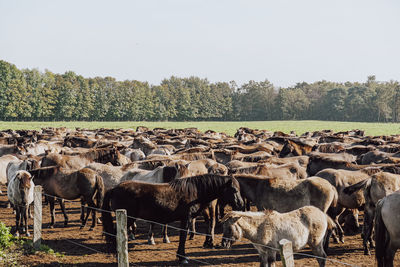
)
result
[(248, 187), (249, 226)]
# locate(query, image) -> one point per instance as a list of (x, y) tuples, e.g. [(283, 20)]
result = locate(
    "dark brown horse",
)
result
[(178, 200), (85, 184)]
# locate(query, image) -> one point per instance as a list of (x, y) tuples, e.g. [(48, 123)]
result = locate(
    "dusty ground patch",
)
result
[(84, 248)]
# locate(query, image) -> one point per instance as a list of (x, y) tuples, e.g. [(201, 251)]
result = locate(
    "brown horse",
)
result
[(387, 229), (267, 193), (180, 199), (85, 184), (101, 155)]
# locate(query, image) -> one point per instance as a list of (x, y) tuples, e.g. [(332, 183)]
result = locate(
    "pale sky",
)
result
[(221, 40)]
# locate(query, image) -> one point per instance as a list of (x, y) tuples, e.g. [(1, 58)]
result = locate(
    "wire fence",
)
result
[(186, 230)]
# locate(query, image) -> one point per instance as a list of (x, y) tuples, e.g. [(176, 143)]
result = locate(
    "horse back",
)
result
[(149, 201)]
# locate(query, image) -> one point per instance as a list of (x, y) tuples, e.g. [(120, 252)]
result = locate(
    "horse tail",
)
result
[(355, 187), (108, 223), (381, 236), (100, 191), (331, 226), (335, 199)]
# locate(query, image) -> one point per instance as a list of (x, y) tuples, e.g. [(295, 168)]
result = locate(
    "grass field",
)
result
[(228, 127)]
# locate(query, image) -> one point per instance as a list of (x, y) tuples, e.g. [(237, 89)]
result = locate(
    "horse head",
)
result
[(24, 179), (231, 194), (231, 231)]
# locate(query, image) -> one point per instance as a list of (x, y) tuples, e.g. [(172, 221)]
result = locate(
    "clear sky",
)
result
[(279, 40)]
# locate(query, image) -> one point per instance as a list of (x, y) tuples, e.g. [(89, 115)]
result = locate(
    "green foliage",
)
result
[(5, 236), (32, 95)]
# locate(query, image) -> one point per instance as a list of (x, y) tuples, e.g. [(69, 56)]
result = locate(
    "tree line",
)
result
[(31, 95)]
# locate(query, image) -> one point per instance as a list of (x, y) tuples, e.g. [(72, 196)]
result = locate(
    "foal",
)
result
[(20, 194), (307, 225)]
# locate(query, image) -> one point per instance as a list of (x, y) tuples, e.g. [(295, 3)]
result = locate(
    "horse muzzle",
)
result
[(226, 243), (239, 204)]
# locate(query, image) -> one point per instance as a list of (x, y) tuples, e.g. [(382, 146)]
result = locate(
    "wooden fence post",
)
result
[(122, 238), (37, 217), (286, 251)]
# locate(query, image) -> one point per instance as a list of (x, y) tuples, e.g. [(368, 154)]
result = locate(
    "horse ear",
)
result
[(231, 216)]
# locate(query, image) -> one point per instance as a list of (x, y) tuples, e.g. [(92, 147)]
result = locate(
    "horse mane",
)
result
[(246, 170), (129, 166), (198, 186), (193, 156), (371, 170)]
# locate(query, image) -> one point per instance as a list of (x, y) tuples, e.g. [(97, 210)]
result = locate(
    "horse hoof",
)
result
[(367, 252), (183, 261), (166, 240), (132, 237), (208, 245), (28, 234), (16, 234), (91, 228), (80, 228), (51, 226), (151, 242)]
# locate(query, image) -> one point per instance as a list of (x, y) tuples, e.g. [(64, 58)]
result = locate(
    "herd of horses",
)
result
[(307, 189)]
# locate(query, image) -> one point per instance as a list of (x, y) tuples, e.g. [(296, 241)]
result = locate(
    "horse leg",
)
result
[(263, 260), (334, 213), (52, 211), (131, 225), (327, 238), (192, 228), (26, 208), (181, 255), (209, 216), (367, 229), (389, 256), (83, 210), (30, 207), (318, 250), (150, 239), (62, 206), (92, 204), (165, 234), (271, 258), (17, 215), (88, 211), (220, 210), (247, 206)]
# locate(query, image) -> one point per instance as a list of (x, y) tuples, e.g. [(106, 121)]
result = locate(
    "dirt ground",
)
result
[(85, 248)]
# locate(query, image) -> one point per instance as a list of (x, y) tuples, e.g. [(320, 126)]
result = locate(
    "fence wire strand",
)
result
[(189, 231)]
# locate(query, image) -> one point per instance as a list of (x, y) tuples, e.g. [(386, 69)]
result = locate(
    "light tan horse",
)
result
[(304, 226)]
